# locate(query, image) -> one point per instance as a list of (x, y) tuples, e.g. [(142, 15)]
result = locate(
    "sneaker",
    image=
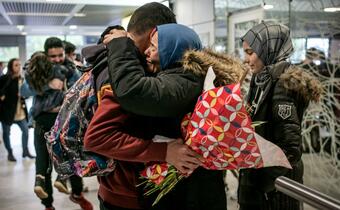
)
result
[(61, 185), (39, 187), (81, 200)]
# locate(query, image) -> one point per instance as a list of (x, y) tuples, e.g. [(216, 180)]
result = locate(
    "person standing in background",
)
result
[(279, 94), (13, 108), (2, 66)]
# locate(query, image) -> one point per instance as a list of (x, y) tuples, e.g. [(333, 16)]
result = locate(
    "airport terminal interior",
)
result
[(314, 27)]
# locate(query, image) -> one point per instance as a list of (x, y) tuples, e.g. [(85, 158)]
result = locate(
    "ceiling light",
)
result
[(331, 9), (73, 27), (20, 27), (24, 33), (267, 6)]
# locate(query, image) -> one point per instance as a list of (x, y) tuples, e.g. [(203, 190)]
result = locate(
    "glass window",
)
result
[(319, 43), (299, 45), (7, 53), (77, 40), (36, 43)]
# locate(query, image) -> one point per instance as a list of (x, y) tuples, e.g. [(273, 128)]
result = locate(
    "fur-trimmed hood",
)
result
[(228, 69), (305, 84)]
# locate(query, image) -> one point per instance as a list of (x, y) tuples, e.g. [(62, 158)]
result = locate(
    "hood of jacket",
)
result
[(300, 81), (228, 69)]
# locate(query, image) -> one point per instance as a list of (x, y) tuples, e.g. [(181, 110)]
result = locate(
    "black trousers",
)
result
[(105, 206), (43, 163)]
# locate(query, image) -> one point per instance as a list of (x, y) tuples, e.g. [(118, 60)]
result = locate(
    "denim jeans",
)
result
[(24, 134)]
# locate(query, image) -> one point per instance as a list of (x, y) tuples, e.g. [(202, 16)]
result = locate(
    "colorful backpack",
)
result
[(65, 139)]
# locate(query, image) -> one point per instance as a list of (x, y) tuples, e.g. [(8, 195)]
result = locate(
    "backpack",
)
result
[(65, 139)]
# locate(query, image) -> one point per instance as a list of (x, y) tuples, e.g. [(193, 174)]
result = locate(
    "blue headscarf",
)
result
[(173, 40)]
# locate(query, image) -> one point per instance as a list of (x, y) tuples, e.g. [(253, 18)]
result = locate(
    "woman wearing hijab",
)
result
[(161, 93), (279, 94)]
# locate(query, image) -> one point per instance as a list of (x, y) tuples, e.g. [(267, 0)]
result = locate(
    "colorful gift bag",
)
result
[(220, 130)]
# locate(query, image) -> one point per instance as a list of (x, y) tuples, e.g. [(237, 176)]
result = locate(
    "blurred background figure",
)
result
[(2, 66), (13, 108), (71, 55)]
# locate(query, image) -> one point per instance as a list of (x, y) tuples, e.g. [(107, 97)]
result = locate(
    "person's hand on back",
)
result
[(114, 33)]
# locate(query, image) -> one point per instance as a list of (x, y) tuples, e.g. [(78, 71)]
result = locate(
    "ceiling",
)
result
[(306, 15), (90, 17), (63, 17)]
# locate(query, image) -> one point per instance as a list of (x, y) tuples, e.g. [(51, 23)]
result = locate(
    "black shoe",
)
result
[(39, 187), (26, 153), (11, 158), (61, 185)]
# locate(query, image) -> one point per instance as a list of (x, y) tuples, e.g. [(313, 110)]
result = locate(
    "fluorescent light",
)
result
[(79, 15), (24, 33), (20, 27), (267, 6), (331, 9), (73, 27), (44, 14)]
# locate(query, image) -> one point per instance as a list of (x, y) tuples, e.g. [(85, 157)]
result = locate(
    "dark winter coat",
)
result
[(284, 102), (172, 93), (9, 88)]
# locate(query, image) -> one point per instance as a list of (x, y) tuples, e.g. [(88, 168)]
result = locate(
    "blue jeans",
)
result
[(24, 134)]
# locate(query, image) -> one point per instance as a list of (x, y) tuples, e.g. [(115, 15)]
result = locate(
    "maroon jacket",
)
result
[(116, 134)]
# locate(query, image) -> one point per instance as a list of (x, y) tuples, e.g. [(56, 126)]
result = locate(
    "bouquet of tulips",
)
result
[(221, 131)]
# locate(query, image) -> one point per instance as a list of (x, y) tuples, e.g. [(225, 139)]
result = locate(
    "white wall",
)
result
[(241, 17), (199, 15)]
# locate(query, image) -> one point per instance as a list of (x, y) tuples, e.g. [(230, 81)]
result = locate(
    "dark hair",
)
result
[(149, 16), (69, 47), (53, 42), (10, 66), (107, 30), (39, 70)]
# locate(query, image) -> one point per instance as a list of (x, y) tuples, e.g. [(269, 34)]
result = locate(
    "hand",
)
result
[(2, 97), (56, 84), (114, 34), (182, 157)]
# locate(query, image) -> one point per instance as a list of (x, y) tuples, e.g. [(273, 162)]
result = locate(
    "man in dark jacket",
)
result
[(54, 50), (125, 137)]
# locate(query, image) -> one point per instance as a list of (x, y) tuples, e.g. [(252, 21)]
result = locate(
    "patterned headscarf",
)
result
[(270, 41)]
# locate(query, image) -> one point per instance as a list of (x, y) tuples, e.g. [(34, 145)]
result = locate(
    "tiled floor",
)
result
[(17, 180)]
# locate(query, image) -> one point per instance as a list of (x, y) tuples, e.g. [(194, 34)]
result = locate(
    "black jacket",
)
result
[(9, 89), (284, 102), (171, 93)]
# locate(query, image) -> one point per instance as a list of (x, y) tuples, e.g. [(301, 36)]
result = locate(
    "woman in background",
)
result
[(13, 108), (279, 94)]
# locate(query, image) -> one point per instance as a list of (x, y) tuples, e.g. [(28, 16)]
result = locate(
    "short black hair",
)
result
[(149, 16), (69, 47), (107, 30), (53, 42)]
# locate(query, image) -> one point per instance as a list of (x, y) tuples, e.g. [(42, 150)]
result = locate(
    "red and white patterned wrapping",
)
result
[(220, 131)]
